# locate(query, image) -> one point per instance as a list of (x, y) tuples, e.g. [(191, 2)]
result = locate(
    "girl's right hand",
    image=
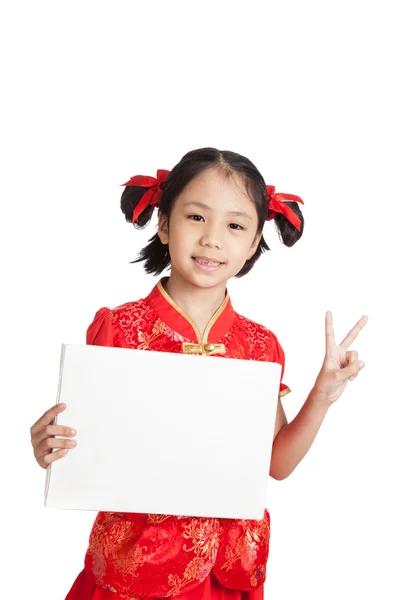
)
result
[(43, 440)]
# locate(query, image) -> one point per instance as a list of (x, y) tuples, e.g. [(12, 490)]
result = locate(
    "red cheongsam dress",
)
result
[(134, 555)]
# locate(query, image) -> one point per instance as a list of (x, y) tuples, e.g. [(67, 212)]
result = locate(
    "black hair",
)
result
[(156, 255)]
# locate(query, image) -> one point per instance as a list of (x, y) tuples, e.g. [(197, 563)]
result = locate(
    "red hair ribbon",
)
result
[(153, 195), (277, 205)]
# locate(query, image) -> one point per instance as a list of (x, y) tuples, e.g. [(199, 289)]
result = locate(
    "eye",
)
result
[(236, 226), (195, 217)]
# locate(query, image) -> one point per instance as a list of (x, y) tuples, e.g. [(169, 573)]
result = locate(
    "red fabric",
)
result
[(278, 203), (153, 195), (138, 555), (210, 589)]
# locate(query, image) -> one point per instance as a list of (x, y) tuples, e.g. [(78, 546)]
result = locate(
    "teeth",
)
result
[(205, 262)]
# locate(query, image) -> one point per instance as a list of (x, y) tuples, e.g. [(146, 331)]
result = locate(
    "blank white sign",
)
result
[(164, 433)]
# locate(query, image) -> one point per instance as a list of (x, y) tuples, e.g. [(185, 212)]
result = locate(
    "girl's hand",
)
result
[(340, 365), (43, 440)]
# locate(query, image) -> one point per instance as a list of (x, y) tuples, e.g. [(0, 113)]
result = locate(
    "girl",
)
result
[(212, 208)]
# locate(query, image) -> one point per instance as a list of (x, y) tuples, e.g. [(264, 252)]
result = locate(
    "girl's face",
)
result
[(212, 229)]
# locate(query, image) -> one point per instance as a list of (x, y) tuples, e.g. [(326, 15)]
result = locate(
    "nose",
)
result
[(211, 237)]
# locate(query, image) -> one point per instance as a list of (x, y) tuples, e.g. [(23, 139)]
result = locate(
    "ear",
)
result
[(163, 233), (254, 246)]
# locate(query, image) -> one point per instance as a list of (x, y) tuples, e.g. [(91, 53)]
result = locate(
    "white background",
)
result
[(95, 92)]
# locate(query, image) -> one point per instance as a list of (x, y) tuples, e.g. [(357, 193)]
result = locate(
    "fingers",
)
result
[(352, 370), (43, 451), (47, 459), (351, 356), (50, 430), (49, 443), (43, 438), (47, 418), (353, 333), (329, 333)]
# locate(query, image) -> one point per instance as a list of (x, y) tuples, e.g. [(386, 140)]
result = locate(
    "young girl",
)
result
[(212, 208)]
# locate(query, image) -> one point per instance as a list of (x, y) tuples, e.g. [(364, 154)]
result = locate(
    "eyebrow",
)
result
[(234, 213)]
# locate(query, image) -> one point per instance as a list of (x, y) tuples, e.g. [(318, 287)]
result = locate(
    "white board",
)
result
[(164, 433)]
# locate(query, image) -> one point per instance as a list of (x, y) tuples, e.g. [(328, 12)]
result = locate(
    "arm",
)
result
[(340, 365), (293, 440)]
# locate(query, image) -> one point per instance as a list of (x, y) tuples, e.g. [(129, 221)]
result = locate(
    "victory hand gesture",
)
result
[(340, 364)]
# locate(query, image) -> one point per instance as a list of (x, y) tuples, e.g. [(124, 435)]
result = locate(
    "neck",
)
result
[(199, 303)]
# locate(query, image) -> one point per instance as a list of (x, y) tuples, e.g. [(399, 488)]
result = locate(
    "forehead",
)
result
[(212, 186)]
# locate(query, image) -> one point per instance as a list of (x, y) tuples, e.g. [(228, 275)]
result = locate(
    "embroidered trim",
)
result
[(202, 340)]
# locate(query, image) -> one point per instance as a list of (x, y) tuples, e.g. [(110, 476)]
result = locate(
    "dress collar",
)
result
[(176, 318)]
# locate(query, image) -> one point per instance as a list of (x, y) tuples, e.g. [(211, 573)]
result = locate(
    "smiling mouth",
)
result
[(209, 263)]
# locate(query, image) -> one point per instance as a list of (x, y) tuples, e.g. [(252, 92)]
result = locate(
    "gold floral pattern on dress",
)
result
[(174, 335), (153, 518), (145, 338), (203, 536), (254, 533), (112, 535), (196, 570), (130, 558), (258, 576)]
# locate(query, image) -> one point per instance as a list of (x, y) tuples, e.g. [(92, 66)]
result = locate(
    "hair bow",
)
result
[(153, 195), (277, 205)]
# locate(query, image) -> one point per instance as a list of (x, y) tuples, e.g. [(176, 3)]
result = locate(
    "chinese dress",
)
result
[(134, 555)]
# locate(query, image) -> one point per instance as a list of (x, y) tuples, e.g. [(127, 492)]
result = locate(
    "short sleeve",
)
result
[(99, 332), (279, 357)]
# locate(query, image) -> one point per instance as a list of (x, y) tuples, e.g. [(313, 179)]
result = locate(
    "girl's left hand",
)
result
[(339, 364)]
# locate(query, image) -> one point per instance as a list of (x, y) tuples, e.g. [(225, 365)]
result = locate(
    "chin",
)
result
[(209, 280), (200, 280)]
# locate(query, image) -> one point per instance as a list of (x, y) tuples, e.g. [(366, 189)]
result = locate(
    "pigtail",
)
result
[(286, 212), (288, 233), (156, 254), (130, 198)]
